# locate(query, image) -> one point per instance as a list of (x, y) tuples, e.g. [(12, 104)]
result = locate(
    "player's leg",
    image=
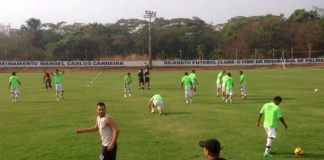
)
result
[(223, 91), (57, 89), (125, 91), (129, 90), (16, 93), (186, 91), (271, 135), (230, 95), (50, 83), (190, 93)]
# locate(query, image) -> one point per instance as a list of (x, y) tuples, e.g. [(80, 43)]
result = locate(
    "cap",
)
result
[(212, 145)]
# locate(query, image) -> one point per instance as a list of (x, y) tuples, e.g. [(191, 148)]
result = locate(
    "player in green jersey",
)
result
[(219, 82), (156, 103), (14, 84), (271, 113), (229, 84), (186, 86), (224, 79), (127, 82), (57, 75), (243, 85), (194, 81)]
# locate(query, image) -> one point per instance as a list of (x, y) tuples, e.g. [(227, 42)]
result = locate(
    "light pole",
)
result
[(149, 15)]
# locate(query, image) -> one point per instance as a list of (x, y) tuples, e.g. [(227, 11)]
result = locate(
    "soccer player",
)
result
[(219, 82), (229, 84), (243, 85), (127, 82), (108, 131), (140, 75), (212, 149), (224, 79), (186, 85), (14, 84), (47, 80), (271, 113), (147, 77), (156, 102), (194, 81), (57, 75)]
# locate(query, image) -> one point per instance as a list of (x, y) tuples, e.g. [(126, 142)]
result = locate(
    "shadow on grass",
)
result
[(305, 156), (175, 113)]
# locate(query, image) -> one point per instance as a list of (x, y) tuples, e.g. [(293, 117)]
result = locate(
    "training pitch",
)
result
[(40, 128)]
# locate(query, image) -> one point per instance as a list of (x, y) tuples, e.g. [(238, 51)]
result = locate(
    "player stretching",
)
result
[(14, 84), (229, 83), (47, 80), (243, 85), (127, 82), (224, 79), (194, 81), (58, 84), (271, 112), (156, 102), (186, 85), (219, 83)]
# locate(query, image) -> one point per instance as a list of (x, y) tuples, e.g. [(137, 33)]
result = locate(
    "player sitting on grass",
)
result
[(156, 102), (14, 84), (271, 112), (127, 82)]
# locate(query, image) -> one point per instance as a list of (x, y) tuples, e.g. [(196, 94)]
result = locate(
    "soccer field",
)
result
[(40, 128)]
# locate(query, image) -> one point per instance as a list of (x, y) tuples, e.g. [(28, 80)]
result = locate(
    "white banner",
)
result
[(166, 63)]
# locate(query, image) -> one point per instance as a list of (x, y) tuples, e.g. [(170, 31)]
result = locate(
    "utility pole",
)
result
[(149, 15)]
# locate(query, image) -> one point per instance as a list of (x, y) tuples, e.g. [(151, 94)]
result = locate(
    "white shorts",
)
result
[(127, 87), (158, 104), (194, 85), (188, 91), (218, 85), (223, 87), (271, 132), (14, 90), (58, 87), (229, 91), (243, 88)]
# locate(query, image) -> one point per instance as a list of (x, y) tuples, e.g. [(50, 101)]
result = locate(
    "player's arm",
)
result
[(150, 105), (19, 83), (9, 85), (191, 85), (282, 120), (115, 132), (90, 129), (258, 120), (182, 85), (196, 81), (62, 72)]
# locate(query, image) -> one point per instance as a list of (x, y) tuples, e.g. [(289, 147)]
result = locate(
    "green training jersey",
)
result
[(57, 78), (220, 75), (193, 77), (229, 83), (224, 78), (157, 97), (243, 79), (186, 80), (271, 113), (128, 79), (14, 81)]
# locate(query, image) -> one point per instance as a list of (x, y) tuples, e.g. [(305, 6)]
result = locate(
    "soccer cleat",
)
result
[(125, 95), (187, 101), (129, 95), (267, 154)]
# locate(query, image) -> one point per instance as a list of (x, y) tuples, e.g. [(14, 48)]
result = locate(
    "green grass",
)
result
[(39, 128)]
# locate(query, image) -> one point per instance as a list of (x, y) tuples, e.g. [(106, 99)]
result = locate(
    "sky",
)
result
[(16, 12)]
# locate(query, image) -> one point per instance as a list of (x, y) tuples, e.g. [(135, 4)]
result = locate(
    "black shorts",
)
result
[(147, 79), (141, 80), (108, 155)]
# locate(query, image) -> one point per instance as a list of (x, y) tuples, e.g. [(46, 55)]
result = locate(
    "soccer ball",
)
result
[(316, 90), (298, 151)]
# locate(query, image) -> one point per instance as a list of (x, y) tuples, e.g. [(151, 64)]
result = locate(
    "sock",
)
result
[(269, 144)]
